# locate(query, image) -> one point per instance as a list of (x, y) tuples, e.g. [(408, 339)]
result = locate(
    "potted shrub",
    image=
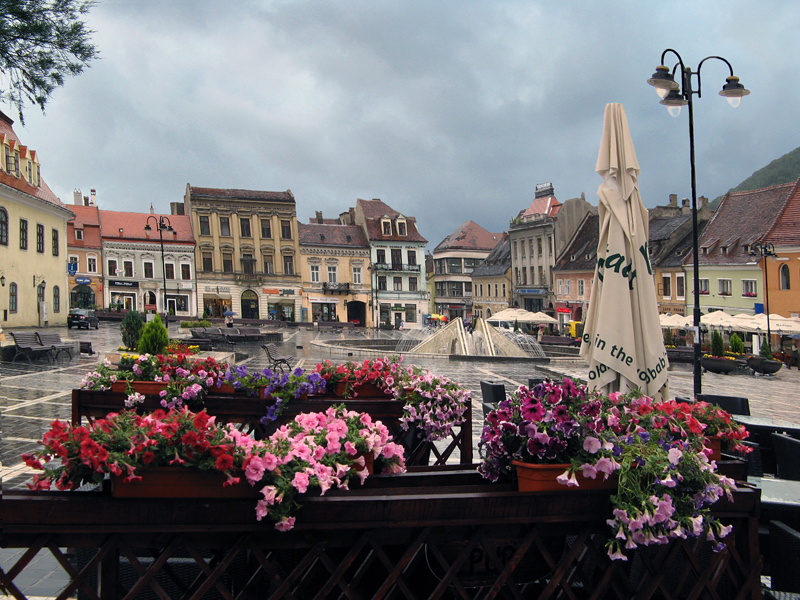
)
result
[(666, 482), (716, 361), (764, 363)]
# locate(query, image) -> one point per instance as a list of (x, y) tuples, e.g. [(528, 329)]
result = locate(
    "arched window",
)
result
[(3, 227), (56, 299), (785, 277), (12, 298)]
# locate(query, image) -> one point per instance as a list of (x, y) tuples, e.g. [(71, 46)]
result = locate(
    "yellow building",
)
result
[(33, 240), (334, 264), (247, 252)]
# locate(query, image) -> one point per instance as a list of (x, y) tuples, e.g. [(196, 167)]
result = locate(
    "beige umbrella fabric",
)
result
[(622, 340)]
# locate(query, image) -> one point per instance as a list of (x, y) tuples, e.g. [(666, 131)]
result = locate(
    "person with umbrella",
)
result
[(229, 317)]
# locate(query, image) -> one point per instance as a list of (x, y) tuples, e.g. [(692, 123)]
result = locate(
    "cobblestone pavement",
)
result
[(31, 396)]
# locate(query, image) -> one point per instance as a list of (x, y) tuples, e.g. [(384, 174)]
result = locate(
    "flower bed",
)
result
[(666, 481)]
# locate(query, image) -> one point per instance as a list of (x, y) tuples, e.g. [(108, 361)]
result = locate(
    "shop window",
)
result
[(411, 313)]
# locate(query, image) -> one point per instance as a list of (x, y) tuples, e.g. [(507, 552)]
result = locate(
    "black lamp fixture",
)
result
[(764, 250), (163, 224), (675, 96)]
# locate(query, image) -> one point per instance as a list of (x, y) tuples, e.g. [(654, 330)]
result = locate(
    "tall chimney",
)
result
[(673, 200), (319, 216), (77, 197), (94, 198)]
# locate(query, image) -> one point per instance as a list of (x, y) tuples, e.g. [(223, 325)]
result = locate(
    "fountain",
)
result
[(483, 340)]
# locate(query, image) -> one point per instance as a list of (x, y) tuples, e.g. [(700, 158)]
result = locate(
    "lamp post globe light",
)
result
[(765, 250), (675, 95), (162, 224)]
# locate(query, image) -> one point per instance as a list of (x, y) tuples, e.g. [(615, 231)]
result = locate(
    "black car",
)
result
[(82, 317)]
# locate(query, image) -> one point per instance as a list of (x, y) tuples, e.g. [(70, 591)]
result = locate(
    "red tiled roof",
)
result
[(86, 218), (546, 205), (233, 194), (317, 234), (741, 219), (374, 210), (786, 231), (469, 236), (132, 225)]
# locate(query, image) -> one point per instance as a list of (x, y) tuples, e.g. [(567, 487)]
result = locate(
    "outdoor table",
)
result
[(416, 535), (761, 430), (780, 499)]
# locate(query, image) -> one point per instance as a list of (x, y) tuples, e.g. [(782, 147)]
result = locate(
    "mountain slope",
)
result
[(781, 170)]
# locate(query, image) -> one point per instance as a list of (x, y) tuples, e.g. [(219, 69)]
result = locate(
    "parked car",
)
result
[(82, 317)]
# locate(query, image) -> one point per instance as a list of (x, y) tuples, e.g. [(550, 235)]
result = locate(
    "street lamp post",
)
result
[(674, 96), (163, 224), (765, 250)]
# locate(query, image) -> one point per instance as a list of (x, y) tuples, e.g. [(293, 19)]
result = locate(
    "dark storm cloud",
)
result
[(447, 111)]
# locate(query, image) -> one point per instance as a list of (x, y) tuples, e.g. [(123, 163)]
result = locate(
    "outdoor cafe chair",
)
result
[(787, 455), (784, 557), (736, 405)]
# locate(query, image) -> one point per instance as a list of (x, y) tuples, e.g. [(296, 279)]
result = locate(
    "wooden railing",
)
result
[(417, 535)]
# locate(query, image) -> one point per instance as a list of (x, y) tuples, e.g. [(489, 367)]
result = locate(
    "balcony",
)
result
[(397, 267), (335, 288)]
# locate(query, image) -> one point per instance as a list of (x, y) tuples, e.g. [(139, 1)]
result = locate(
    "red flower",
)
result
[(224, 462)]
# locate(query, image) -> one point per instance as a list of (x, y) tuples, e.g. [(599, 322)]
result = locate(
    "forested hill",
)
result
[(781, 170)]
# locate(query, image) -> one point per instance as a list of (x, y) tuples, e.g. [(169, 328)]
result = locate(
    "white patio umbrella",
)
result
[(675, 321), (622, 341)]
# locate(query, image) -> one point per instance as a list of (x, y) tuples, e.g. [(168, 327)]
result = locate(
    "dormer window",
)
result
[(79, 234), (401, 228), (386, 227)]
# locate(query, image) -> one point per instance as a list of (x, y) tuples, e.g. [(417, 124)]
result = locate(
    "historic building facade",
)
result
[(247, 252), (491, 281), (334, 266), (33, 239), (85, 254)]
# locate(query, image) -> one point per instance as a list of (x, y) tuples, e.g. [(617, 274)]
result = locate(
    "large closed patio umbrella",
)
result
[(622, 340)]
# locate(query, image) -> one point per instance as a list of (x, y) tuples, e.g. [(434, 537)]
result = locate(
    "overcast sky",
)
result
[(447, 111)]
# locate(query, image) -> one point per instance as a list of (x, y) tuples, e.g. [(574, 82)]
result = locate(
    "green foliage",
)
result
[(766, 351), (195, 324), (717, 347), (516, 326), (668, 337), (154, 337), (785, 169), (737, 345), (131, 328), (41, 42)]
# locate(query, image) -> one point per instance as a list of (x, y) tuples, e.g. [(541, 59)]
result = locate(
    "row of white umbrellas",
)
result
[(520, 315), (742, 322)]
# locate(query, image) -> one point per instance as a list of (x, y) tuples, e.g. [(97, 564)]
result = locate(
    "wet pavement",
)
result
[(32, 396)]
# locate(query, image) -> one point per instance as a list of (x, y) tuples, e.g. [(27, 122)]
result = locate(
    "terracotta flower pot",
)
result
[(715, 444), (542, 478), (364, 390), (148, 388)]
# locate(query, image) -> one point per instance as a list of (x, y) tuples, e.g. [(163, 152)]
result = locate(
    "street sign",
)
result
[(72, 268)]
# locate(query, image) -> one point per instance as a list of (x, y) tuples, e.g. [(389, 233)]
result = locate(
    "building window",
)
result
[(357, 275), (412, 284), (73, 260), (504, 290), (91, 264), (23, 234), (79, 234), (581, 290), (286, 230), (169, 270), (702, 287), (480, 289), (205, 226), (380, 256), (382, 282), (680, 286), (128, 267), (496, 295), (269, 268), (3, 227), (785, 283), (208, 262), (225, 226), (560, 287), (266, 229), (56, 299), (12, 163), (40, 238), (666, 286), (55, 242), (411, 313), (724, 287), (112, 268), (397, 284), (288, 264), (227, 262), (148, 270), (401, 228), (470, 264), (314, 273), (248, 264), (567, 287), (387, 227), (40, 293), (412, 257), (749, 288), (244, 227), (186, 271), (454, 265), (12, 298), (332, 274)]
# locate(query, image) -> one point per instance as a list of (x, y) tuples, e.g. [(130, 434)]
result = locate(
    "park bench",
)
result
[(276, 359), (28, 345), (54, 341)]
